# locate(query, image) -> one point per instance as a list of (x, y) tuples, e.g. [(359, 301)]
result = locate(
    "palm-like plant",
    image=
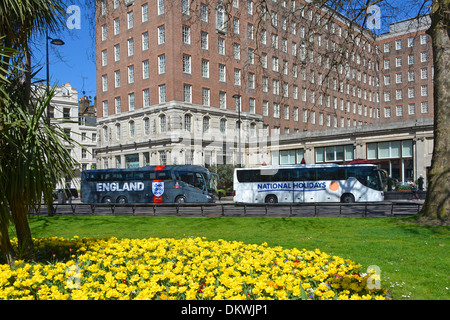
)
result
[(33, 155), (20, 20), (5, 244), (32, 152)]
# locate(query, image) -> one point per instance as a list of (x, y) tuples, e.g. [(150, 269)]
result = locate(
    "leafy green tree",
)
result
[(225, 173)]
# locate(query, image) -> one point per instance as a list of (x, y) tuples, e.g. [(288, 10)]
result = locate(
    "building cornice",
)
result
[(388, 128), (176, 105)]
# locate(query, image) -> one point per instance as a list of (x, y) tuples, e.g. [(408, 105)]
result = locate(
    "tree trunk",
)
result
[(8, 254), (25, 241), (437, 202)]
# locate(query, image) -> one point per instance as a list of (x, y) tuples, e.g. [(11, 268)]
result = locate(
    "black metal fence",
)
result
[(370, 209)]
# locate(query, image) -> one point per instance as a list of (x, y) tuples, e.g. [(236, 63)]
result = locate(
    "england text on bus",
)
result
[(150, 184), (308, 183)]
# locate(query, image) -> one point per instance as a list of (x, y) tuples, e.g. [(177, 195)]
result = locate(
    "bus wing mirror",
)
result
[(216, 175)]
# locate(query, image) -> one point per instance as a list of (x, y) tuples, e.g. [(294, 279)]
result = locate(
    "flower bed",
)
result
[(190, 268)]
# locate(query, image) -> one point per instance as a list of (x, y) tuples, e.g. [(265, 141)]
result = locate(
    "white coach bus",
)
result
[(309, 183)]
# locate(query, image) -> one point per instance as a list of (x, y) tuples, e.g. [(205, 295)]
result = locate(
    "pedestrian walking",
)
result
[(414, 194), (420, 182), (389, 184)]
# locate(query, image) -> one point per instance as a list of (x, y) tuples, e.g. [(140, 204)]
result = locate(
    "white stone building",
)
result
[(65, 105)]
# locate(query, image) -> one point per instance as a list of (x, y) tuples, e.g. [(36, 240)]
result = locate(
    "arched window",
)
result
[(162, 122), (105, 133), (118, 131), (146, 126), (205, 124), (223, 126), (132, 129), (253, 130), (187, 122)]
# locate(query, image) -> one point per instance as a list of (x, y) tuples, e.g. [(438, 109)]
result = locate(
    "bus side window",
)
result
[(267, 175), (186, 178), (357, 174), (307, 174), (118, 176), (163, 175), (281, 175), (104, 177), (293, 175), (253, 175), (334, 173), (139, 176)]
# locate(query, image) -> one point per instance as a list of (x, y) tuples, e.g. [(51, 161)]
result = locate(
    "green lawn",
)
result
[(414, 260)]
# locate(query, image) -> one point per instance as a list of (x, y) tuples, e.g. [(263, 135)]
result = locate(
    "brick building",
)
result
[(175, 77), (407, 68)]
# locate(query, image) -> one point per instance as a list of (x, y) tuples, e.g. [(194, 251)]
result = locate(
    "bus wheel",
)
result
[(271, 199), (122, 199), (180, 200), (347, 198), (106, 199)]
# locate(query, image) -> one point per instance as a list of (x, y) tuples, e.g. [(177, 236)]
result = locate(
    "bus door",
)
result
[(299, 192), (306, 178), (282, 185), (298, 187)]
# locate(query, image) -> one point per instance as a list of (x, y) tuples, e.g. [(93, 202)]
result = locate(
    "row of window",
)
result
[(395, 157), (411, 93), (333, 84), (331, 154), (323, 99), (132, 160), (411, 76), (411, 60), (161, 125), (276, 65), (221, 23), (409, 42), (186, 36), (222, 19), (411, 110)]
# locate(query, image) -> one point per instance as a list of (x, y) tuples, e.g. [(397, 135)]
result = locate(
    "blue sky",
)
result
[(75, 61)]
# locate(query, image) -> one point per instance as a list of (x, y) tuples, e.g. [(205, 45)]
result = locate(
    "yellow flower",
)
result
[(188, 268)]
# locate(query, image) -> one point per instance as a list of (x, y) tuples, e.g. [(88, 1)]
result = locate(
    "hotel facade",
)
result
[(193, 82)]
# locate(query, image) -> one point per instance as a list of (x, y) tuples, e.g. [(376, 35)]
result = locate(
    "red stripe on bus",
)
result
[(160, 168)]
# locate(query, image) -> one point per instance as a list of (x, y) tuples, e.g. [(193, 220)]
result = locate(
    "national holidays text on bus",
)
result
[(307, 186)]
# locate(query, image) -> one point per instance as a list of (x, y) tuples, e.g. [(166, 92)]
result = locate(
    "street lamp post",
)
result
[(238, 104), (56, 42)]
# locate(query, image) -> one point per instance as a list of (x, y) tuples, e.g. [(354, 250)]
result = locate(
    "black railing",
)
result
[(368, 209)]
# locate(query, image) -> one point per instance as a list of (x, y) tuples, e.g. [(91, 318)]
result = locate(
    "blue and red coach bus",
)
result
[(149, 184)]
